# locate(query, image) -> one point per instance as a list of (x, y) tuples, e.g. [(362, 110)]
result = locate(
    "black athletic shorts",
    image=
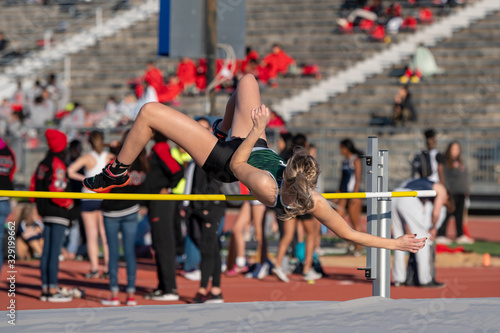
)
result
[(217, 163)]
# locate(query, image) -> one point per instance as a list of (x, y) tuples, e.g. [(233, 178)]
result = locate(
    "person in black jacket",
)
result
[(7, 170), (203, 218), (50, 175), (122, 216), (165, 172)]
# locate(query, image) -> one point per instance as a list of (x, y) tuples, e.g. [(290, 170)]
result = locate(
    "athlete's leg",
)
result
[(286, 240), (176, 126), (239, 108), (309, 228), (355, 206)]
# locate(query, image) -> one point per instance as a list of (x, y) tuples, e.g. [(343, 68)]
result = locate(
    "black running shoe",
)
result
[(221, 136), (105, 181), (211, 298), (434, 284)]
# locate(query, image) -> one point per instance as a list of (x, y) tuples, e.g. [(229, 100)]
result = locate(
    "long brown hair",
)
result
[(449, 159), (300, 179), (96, 140)]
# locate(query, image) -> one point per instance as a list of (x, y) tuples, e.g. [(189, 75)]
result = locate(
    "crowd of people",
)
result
[(379, 21), (46, 226)]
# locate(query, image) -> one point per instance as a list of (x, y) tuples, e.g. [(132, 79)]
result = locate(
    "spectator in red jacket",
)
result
[(153, 76), (50, 175), (276, 122), (277, 62), (250, 55), (186, 72)]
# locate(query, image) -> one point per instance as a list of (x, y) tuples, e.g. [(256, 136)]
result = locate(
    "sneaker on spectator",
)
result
[(59, 297), (263, 271), (443, 240), (211, 298), (45, 295), (464, 240), (159, 295), (199, 298), (131, 301), (433, 284), (278, 271), (111, 301), (105, 275), (235, 270), (404, 79), (92, 275), (312, 275), (193, 275)]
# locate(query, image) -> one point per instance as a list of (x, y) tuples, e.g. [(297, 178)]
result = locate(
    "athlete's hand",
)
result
[(260, 118), (410, 243)]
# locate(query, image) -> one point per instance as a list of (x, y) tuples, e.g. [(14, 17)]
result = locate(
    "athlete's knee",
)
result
[(248, 79), (148, 110)]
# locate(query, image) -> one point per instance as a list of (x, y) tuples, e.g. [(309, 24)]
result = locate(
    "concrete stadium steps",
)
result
[(22, 23), (466, 94), (306, 29)]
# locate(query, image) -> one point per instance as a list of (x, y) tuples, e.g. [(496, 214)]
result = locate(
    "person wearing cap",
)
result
[(57, 213)]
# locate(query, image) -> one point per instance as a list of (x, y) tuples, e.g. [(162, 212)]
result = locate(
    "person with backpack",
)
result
[(57, 213)]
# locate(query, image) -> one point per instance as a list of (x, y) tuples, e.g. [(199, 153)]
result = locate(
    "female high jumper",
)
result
[(245, 157)]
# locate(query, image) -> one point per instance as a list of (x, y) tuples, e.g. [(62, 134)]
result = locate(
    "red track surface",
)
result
[(341, 284)]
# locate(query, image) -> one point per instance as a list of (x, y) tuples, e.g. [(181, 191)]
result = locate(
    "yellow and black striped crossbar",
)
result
[(198, 197)]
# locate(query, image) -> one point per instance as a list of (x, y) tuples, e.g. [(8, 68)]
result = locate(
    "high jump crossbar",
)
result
[(197, 197)]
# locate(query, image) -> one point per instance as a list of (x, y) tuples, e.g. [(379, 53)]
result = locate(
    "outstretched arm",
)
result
[(333, 221)]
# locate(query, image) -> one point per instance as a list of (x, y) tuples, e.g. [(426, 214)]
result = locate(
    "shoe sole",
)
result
[(164, 299), (110, 304), (214, 301), (58, 300), (286, 280), (102, 189)]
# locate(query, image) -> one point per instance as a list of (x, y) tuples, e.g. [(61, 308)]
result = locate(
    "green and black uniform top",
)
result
[(266, 159)]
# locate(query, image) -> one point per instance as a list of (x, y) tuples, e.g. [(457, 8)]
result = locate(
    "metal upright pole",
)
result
[(211, 47), (371, 205), (382, 285)]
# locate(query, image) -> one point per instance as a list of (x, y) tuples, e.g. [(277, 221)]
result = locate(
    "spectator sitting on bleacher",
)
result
[(251, 54), (369, 13), (186, 72), (172, 91), (402, 102), (153, 77), (278, 62), (41, 110), (422, 64)]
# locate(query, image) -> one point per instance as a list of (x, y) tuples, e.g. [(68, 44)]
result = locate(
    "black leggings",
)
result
[(459, 200), (161, 217), (210, 252)]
